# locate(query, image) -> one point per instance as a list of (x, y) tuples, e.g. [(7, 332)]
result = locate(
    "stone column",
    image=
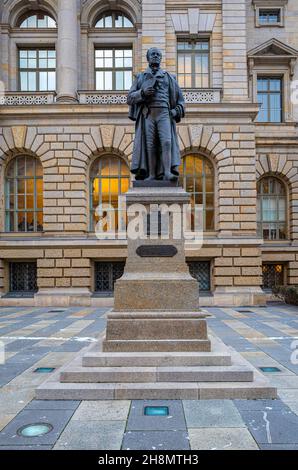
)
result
[(67, 47)]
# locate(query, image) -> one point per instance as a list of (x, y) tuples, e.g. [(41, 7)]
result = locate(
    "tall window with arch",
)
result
[(197, 178), (36, 65), (24, 195), (272, 208), (109, 178), (114, 63)]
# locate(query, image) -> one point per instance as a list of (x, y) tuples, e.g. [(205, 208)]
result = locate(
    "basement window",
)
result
[(22, 278)]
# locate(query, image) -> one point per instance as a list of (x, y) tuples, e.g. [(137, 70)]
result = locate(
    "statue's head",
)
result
[(154, 56)]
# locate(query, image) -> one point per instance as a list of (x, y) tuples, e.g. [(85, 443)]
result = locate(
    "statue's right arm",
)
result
[(135, 94)]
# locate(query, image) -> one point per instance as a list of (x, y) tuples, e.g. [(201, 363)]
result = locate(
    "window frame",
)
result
[(268, 93), (35, 210), (286, 222), (183, 176), (284, 272), (193, 41), (263, 7), (31, 13), (91, 209), (37, 70), (113, 69), (113, 27)]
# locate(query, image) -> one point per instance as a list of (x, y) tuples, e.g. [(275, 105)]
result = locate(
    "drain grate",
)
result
[(56, 311), (244, 311)]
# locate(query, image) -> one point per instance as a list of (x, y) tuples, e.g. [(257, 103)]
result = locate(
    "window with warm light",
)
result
[(24, 195), (193, 63), (113, 19), (37, 69), (273, 275), (37, 20), (109, 178), (272, 209), (197, 178)]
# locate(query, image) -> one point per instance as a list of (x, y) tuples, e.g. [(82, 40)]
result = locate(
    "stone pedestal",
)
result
[(156, 344), (156, 304)]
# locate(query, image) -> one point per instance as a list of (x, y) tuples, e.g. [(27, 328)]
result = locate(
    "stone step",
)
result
[(157, 374), (156, 345), (54, 390), (155, 359)]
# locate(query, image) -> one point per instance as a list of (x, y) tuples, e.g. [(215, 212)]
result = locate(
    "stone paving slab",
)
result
[(37, 447), (92, 435), (212, 413), (53, 405), (103, 410), (138, 422), (251, 405), (156, 440), (221, 439), (272, 427), (57, 418)]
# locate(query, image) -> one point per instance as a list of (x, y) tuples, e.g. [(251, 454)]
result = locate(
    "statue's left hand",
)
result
[(173, 113)]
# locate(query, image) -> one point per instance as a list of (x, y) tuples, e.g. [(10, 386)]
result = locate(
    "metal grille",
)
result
[(106, 274), (200, 270), (23, 277), (273, 275)]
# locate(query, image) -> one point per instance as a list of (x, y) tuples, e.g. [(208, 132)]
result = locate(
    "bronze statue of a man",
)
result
[(156, 105)]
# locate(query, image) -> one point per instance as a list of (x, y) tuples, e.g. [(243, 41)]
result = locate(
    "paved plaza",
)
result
[(50, 337)]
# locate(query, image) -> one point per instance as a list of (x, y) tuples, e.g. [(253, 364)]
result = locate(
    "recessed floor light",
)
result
[(270, 369), (156, 411), (35, 430), (44, 370)]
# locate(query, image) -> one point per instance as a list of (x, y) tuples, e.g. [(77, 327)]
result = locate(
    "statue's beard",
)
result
[(155, 65)]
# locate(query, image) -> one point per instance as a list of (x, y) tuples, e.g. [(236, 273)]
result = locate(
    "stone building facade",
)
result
[(65, 67)]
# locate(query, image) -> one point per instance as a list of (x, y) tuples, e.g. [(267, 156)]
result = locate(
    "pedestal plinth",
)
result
[(156, 304)]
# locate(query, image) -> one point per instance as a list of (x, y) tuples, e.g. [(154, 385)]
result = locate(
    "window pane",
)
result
[(119, 81), (51, 81), (99, 81), (108, 80), (43, 81), (24, 81)]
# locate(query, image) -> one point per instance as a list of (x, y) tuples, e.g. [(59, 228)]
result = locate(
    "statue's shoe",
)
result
[(170, 177), (150, 178)]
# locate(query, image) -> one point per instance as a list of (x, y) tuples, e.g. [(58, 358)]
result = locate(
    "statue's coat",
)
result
[(138, 111)]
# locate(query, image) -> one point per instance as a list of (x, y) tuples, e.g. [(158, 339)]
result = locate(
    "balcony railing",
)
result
[(205, 95), (21, 98)]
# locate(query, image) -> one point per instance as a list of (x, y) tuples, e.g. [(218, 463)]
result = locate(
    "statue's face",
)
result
[(154, 57)]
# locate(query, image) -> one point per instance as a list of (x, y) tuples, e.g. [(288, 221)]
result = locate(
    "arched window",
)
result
[(272, 209), (38, 19), (113, 19), (24, 195), (197, 178), (109, 177)]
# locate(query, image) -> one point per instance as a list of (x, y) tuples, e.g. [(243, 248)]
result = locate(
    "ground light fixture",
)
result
[(44, 370), (35, 430), (270, 369), (156, 411)]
